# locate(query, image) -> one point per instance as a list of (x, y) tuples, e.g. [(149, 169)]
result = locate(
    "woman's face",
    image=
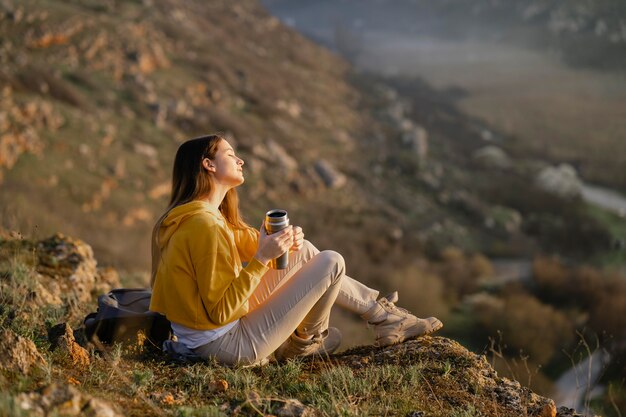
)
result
[(227, 168)]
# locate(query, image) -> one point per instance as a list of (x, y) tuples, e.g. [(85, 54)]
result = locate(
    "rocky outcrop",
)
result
[(20, 124), (465, 372), (68, 264), (64, 274), (562, 181), (18, 354)]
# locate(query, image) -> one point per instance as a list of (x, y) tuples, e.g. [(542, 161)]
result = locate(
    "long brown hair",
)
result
[(190, 182)]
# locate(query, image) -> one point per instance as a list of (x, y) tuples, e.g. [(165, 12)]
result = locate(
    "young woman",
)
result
[(217, 307)]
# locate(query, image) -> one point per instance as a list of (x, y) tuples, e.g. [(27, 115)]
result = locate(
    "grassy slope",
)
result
[(432, 376)]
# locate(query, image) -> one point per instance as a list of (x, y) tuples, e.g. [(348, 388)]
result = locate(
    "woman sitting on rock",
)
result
[(217, 307)]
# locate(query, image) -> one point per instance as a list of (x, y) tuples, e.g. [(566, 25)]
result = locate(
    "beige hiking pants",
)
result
[(298, 297)]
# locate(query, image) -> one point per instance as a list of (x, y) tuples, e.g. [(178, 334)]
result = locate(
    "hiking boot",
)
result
[(395, 325), (320, 344)]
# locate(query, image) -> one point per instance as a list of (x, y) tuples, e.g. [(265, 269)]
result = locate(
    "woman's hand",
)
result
[(298, 239), (274, 245)]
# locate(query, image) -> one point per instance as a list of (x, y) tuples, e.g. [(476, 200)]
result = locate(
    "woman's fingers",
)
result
[(283, 238), (298, 238), (262, 229)]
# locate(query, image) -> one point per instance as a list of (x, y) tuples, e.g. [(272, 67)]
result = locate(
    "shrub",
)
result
[(608, 314), (601, 293), (527, 326), (461, 273)]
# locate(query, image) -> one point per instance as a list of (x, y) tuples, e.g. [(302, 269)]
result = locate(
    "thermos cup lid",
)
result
[(277, 217)]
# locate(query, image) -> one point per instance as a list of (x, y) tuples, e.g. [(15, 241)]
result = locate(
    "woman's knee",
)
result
[(334, 262), (309, 249)]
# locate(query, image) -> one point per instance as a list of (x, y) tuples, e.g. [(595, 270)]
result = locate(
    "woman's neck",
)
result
[(215, 197)]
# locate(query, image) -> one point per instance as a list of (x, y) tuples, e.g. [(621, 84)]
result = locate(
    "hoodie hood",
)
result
[(177, 216)]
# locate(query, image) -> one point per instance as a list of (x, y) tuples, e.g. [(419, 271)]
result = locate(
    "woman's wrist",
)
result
[(261, 259)]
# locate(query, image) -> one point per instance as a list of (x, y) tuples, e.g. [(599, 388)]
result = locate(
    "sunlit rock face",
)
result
[(17, 354)]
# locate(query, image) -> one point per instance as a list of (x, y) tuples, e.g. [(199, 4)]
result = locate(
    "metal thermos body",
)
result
[(275, 221)]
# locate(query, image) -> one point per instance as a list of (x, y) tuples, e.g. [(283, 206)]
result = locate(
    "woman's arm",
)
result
[(223, 294), (247, 241)]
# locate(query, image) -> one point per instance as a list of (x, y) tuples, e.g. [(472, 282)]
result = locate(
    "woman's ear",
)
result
[(208, 165)]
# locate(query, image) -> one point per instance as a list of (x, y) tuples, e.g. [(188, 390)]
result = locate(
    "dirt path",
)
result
[(573, 386), (607, 199)]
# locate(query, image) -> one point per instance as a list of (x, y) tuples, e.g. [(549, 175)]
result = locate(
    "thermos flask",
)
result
[(275, 221)]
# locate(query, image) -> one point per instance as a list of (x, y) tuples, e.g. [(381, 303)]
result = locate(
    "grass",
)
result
[(429, 377)]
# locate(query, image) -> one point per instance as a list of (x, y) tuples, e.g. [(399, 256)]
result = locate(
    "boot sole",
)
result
[(388, 341)]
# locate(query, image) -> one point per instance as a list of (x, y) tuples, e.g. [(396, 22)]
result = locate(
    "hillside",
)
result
[(415, 194), (108, 91), (48, 369)]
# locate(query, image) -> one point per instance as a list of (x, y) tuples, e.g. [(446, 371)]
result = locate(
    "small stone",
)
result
[(492, 157), (294, 408), (61, 337), (219, 385), (331, 176), (64, 399), (96, 407), (548, 409)]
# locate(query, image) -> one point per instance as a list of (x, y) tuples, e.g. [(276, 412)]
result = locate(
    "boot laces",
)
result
[(395, 309)]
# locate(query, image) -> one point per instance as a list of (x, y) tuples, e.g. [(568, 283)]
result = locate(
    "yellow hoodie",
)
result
[(200, 282)]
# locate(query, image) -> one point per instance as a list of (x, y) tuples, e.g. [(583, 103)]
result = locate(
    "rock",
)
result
[(28, 402), (49, 294), (503, 219), (281, 157), (146, 150), (18, 354), (345, 139), (96, 407), (568, 412), (276, 156), (465, 202), (254, 398), (20, 137), (492, 157), (417, 140), (137, 214), (292, 108), (294, 408), (61, 337), (219, 385), (64, 400), (396, 112), (431, 181), (562, 181), (69, 262), (331, 177), (545, 407), (160, 190), (106, 279)]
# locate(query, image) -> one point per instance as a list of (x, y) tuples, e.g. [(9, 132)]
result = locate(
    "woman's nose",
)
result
[(241, 162)]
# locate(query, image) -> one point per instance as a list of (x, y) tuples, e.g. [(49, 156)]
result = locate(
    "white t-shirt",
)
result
[(193, 338)]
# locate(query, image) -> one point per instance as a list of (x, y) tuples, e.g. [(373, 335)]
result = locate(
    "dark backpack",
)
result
[(124, 312)]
